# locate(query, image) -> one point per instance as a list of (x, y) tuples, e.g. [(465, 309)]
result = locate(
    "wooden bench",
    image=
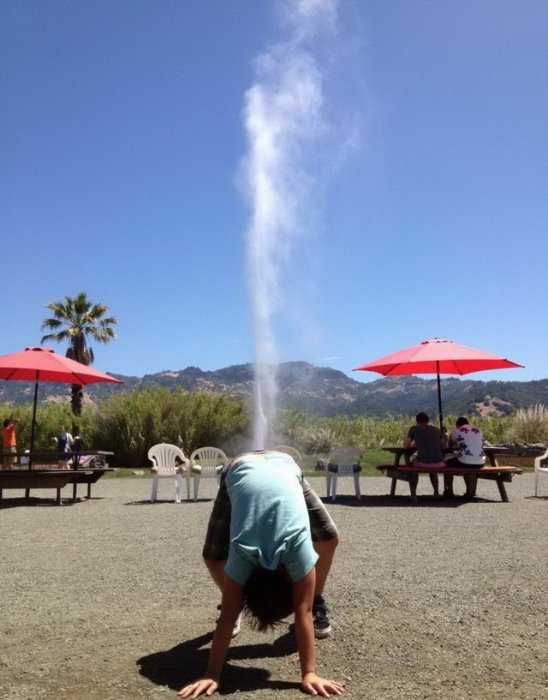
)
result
[(35, 479), (499, 473), (89, 476), (51, 479), (39, 469)]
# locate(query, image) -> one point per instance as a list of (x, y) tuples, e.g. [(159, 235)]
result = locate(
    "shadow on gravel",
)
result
[(185, 662), (159, 502), (36, 502), (398, 501)]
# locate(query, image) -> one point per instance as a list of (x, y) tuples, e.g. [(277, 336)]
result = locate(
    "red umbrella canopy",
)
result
[(44, 365), (437, 356)]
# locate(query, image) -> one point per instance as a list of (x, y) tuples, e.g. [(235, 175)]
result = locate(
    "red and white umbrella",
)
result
[(437, 356)]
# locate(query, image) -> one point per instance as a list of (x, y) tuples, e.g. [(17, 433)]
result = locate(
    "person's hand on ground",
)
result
[(205, 686), (315, 685)]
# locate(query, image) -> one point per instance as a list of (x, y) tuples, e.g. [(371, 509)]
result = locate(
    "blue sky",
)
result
[(121, 150)]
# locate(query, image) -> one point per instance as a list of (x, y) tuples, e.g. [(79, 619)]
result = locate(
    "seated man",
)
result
[(259, 550), (468, 443), (429, 443)]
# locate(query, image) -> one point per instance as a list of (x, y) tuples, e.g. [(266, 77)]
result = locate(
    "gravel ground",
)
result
[(108, 599)]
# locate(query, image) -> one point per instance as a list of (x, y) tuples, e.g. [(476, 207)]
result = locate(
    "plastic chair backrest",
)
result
[(291, 451), (209, 458), (541, 462), (166, 458), (541, 469), (345, 458)]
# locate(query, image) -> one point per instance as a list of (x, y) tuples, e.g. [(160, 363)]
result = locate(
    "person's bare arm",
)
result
[(230, 609), (311, 683)]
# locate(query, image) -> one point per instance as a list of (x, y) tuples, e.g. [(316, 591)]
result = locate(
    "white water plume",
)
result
[(285, 127)]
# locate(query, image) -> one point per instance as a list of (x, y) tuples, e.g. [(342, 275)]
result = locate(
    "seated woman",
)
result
[(468, 443)]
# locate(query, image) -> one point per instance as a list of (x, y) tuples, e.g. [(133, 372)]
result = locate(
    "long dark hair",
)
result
[(268, 597)]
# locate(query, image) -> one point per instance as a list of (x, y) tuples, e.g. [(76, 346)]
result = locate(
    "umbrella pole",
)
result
[(33, 425), (439, 396)]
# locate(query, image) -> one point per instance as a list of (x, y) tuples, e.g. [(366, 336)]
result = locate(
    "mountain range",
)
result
[(318, 391)]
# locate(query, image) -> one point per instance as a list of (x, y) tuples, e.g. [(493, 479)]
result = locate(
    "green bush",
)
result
[(312, 434), (130, 423), (49, 419), (529, 425)]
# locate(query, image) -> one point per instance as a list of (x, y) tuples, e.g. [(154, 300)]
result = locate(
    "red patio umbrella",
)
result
[(437, 356), (44, 365)]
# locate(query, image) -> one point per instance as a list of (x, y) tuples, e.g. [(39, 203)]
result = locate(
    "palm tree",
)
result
[(77, 319)]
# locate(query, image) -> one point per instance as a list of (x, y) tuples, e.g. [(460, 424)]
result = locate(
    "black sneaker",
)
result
[(322, 626)]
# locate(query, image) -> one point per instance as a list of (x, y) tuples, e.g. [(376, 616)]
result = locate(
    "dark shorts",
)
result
[(217, 539), (10, 451)]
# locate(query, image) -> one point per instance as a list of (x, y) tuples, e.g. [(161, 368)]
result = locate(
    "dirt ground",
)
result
[(107, 599)]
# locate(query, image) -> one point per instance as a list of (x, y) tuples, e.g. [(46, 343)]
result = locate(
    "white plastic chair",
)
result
[(205, 462), (168, 461), (343, 461), (291, 451), (541, 469)]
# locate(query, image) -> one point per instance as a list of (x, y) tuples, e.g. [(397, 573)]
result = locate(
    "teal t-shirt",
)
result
[(269, 523)]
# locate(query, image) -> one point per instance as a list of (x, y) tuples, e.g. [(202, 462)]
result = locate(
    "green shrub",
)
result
[(49, 419), (529, 425), (312, 434), (130, 423)]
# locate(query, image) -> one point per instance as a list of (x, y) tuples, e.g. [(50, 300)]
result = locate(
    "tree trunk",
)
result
[(76, 399)]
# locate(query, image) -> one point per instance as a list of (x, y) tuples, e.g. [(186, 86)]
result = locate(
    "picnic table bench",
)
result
[(34, 472), (407, 472), (35, 479)]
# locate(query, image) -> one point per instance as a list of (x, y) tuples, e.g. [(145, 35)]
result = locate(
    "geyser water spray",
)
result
[(283, 122)]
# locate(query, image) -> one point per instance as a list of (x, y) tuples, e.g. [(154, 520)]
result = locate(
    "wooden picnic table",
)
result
[(35, 479), (491, 452), (408, 472), (26, 475)]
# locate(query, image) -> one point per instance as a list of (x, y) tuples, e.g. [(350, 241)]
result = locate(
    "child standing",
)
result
[(9, 441), (64, 443)]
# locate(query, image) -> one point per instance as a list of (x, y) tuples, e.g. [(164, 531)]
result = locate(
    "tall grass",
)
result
[(529, 425), (130, 423), (49, 419)]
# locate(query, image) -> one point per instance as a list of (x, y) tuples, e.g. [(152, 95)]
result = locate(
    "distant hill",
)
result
[(318, 391)]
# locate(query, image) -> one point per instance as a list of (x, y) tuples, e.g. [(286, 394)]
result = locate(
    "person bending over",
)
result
[(271, 563)]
